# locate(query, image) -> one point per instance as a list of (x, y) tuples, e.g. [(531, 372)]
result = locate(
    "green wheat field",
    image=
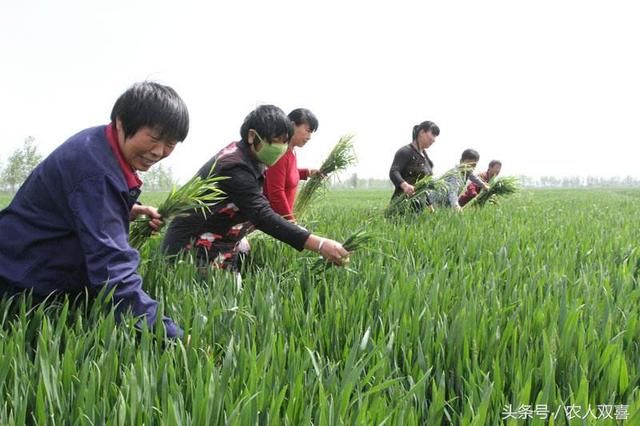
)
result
[(523, 313)]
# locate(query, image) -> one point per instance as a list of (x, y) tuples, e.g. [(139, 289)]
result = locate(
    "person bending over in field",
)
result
[(215, 237), (455, 180), (473, 189), (67, 228), (411, 162), (281, 180)]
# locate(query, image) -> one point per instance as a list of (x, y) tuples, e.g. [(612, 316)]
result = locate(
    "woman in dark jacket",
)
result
[(67, 228), (215, 237), (411, 162)]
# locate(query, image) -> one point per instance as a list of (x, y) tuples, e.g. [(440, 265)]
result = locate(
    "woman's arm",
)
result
[(100, 218), (243, 190), (400, 161)]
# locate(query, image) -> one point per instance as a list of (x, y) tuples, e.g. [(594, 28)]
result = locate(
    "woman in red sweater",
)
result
[(281, 179)]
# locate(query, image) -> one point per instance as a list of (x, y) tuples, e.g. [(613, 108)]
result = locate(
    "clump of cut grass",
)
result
[(197, 194), (357, 241), (404, 204), (340, 158), (499, 187)]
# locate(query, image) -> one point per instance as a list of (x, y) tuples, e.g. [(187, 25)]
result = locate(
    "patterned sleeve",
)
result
[(245, 192)]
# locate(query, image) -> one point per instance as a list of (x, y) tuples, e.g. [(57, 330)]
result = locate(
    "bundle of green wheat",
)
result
[(341, 157), (356, 241), (196, 194), (404, 204), (499, 187)]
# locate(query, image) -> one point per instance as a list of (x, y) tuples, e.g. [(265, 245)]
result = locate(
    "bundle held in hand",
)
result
[(358, 240), (197, 194), (403, 203), (499, 187), (341, 157)]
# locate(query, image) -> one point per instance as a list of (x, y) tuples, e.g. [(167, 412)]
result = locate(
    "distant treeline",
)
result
[(354, 182), (15, 169)]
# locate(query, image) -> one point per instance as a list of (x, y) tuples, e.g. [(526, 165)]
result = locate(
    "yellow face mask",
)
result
[(270, 153)]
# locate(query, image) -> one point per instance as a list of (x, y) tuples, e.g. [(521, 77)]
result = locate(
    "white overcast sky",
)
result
[(549, 87)]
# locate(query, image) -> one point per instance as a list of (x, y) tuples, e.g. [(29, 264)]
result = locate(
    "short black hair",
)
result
[(495, 163), (303, 116), (150, 104), (269, 121), (426, 126), (470, 154)]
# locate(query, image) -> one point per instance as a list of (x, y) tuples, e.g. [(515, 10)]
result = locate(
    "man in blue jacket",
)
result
[(67, 228)]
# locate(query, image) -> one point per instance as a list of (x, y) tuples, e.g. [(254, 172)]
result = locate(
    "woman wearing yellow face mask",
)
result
[(216, 236)]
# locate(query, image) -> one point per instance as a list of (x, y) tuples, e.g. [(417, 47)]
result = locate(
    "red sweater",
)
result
[(281, 183), (472, 190)]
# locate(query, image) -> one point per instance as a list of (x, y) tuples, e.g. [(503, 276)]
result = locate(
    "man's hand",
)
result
[(155, 220)]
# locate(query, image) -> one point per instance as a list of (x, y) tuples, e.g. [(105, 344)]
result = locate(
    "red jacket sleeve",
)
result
[(274, 183), (304, 174)]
